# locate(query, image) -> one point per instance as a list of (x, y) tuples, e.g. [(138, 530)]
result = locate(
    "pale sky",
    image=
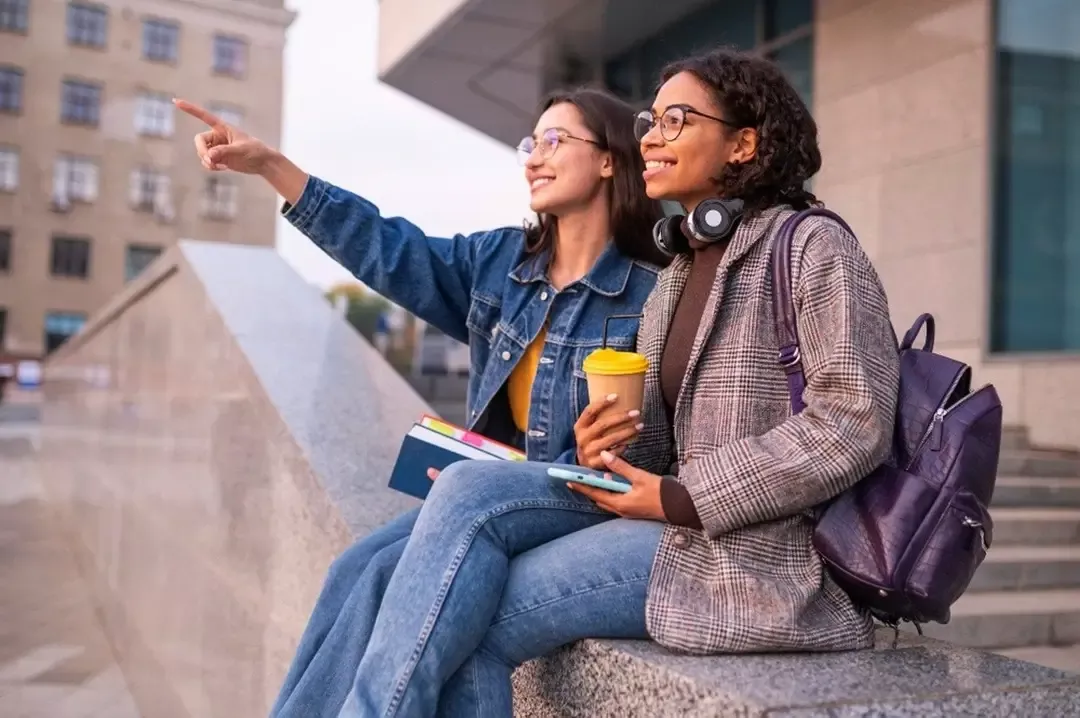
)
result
[(345, 126)]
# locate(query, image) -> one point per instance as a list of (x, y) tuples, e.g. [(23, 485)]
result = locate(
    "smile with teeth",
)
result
[(540, 182), (658, 164)]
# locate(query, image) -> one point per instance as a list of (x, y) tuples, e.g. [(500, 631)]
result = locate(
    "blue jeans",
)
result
[(502, 565)]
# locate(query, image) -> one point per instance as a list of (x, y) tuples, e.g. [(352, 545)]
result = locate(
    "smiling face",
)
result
[(683, 169), (565, 169)]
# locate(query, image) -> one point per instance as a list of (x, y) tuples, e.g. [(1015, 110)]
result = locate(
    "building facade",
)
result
[(97, 173), (950, 131)]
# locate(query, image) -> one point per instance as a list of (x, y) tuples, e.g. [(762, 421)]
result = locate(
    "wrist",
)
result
[(285, 177)]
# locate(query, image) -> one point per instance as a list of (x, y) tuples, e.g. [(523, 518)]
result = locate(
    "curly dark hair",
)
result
[(633, 213), (753, 92)]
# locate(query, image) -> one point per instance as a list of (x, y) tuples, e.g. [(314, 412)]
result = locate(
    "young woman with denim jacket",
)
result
[(504, 565), (530, 303)]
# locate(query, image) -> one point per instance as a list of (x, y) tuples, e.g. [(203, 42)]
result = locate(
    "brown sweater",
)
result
[(675, 498)]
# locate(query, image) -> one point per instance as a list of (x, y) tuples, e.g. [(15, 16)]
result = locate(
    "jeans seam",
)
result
[(451, 573), (542, 604)]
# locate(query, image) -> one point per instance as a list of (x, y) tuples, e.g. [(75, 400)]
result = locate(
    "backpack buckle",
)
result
[(789, 356)]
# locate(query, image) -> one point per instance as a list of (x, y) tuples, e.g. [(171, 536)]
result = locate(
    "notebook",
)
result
[(435, 443)]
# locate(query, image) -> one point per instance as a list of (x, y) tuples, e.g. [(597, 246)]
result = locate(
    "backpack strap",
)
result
[(787, 333)]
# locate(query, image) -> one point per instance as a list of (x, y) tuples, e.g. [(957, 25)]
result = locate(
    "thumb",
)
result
[(618, 465), (223, 154)]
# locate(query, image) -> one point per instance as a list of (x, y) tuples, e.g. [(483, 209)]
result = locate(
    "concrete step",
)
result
[(1039, 462), (1014, 438), (1035, 527), (1036, 492), (1012, 619), (1016, 568)]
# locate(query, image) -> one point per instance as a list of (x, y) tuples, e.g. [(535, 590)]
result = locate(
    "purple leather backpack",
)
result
[(905, 541)]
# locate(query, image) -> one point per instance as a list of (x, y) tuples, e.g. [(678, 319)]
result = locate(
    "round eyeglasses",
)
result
[(671, 122), (547, 143)]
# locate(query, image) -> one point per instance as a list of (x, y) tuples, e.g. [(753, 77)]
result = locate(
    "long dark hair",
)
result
[(753, 92), (633, 214)]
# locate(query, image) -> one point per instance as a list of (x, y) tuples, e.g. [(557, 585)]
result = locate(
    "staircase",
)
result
[(1027, 592)]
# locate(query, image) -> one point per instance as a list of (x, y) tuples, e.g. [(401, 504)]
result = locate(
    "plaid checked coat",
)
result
[(751, 581)]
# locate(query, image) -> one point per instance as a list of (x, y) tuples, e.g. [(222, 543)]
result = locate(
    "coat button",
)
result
[(682, 540), (506, 356), (543, 296)]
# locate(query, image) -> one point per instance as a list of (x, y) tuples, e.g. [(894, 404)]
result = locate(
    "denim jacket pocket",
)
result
[(483, 317)]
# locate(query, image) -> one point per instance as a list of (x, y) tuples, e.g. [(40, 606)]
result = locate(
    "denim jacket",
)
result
[(485, 290)]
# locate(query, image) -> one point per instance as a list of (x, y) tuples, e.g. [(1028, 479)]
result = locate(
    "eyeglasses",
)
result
[(547, 144), (671, 122)]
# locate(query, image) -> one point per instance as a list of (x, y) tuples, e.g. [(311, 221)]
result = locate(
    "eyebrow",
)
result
[(683, 105), (549, 129)]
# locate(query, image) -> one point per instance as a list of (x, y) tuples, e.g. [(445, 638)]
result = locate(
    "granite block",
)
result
[(921, 677)]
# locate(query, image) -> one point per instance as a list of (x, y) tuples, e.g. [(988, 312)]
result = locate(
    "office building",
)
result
[(97, 170), (950, 131)]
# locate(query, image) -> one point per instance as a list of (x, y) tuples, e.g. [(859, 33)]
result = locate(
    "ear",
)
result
[(746, 144), (607, 166)]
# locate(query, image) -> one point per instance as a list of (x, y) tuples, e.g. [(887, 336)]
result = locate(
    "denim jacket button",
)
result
[(543, 296), (506, 356)]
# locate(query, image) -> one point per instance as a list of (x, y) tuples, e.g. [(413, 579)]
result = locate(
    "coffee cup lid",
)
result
[(611, 362)]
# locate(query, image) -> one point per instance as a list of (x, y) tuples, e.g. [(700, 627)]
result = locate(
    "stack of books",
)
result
[(435, 444)]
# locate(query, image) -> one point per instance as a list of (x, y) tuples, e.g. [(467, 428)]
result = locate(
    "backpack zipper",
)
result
[(936, 431)]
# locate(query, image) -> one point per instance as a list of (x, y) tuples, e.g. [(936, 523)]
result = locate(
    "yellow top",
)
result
[(519, 385), (611, 362)]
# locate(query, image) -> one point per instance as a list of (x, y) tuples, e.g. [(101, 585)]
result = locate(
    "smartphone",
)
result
[(616, 483)]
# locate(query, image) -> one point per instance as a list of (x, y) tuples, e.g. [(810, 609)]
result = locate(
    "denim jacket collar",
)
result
[(608, 275)]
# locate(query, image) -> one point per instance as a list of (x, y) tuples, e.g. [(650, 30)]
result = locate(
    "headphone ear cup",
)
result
[(669, 238)]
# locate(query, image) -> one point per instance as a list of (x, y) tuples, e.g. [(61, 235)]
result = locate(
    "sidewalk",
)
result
[(55, 661)]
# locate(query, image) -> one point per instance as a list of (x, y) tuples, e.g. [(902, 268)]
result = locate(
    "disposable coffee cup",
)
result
[(609, 371)]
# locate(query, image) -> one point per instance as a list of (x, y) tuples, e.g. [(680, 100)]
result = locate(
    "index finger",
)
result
[(594, 408), (197, 112)]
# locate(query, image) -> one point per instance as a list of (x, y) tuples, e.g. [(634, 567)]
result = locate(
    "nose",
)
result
[(534, 159), (652, 138)]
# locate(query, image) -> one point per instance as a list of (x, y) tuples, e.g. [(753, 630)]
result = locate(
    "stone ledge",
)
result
[(921, 677)]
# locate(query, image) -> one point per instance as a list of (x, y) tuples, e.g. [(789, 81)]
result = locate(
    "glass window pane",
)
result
[(1035, 297), (796, 59), (784, 16)]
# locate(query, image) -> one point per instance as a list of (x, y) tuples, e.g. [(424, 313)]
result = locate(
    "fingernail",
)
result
[(612, 397), (639, 427), (607, 455), (634, 413)]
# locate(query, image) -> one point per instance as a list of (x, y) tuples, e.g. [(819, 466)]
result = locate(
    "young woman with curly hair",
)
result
[(709, 551)]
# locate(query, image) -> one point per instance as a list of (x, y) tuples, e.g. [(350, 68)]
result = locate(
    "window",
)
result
[(61, 326), (9, 169), (70, 257), (138, 258), (154, 115), (5, 250), (160, 40), (221, 199), (230, 55), (150, 191), (11, 87), (80, 103), (771, 27), (1035, 294), (14, 15), (75, 179), (87, 25), (229, 114)]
